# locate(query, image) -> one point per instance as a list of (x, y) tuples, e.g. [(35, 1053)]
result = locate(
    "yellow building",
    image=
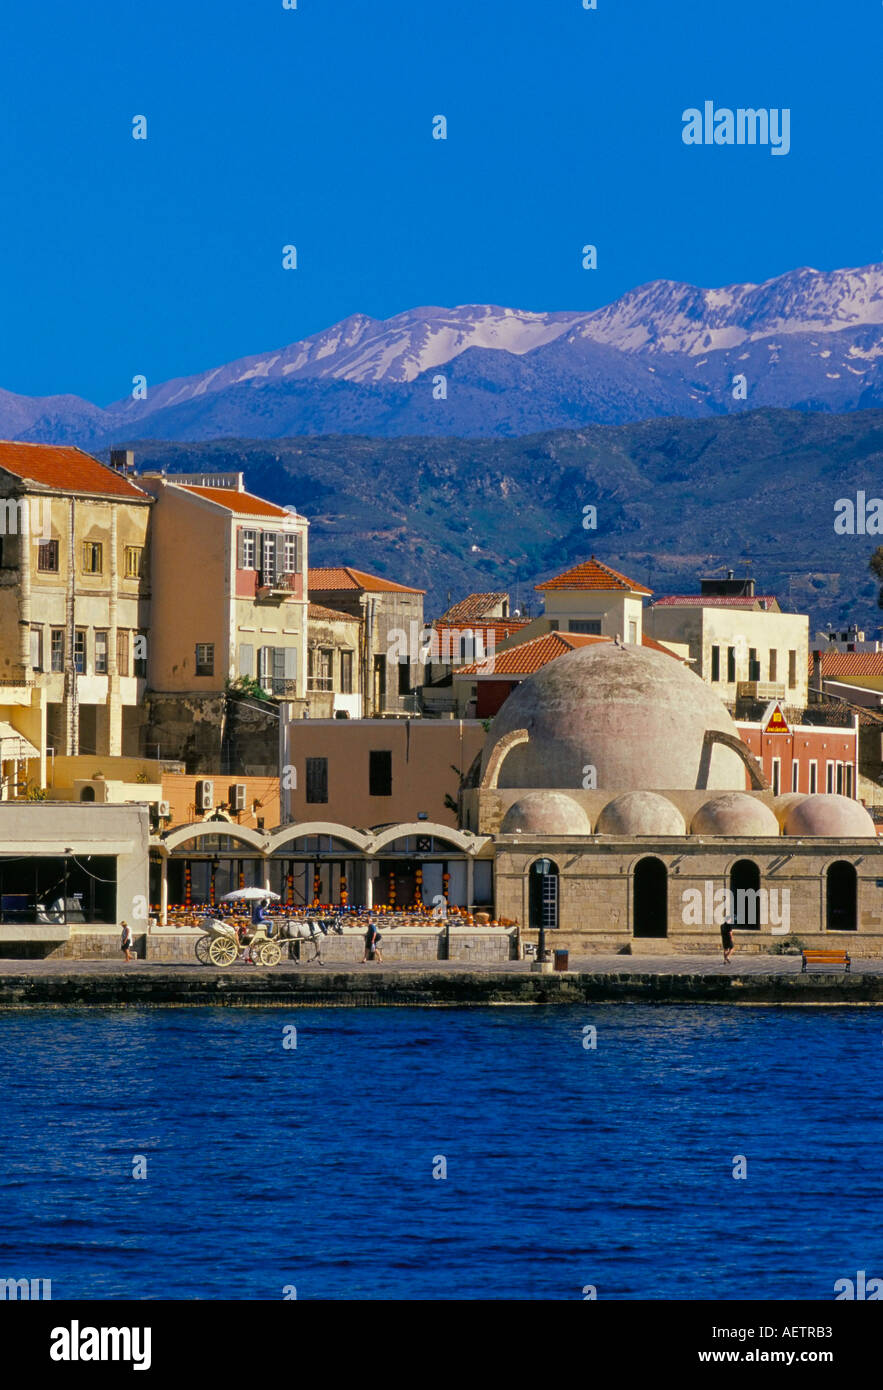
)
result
[(229, 589), (74, 608)]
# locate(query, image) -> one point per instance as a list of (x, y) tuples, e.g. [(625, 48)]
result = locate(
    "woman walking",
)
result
[(372, 945)]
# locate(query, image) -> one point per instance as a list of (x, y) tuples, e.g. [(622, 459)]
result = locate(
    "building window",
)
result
[(56, 649), (813, 777), (795, 776), (715, 663), (777, 776), (774, 664), (591, 626), (140, 663), (379, 772), (122, 651), (47, 557), (839, 779), (731, 665), (346, 673), (290, 559), (792, 669), (134, 558), (848, 788), (829, 778), (317, 779), (268, 557), (101, 653), (80, 650), (205, 658), (245, 560), (37, 648), (404, 678), (753, 665), (320, 668), (93, 557)]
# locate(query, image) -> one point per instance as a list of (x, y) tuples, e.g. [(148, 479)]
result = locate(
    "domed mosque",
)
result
[(629, 815)]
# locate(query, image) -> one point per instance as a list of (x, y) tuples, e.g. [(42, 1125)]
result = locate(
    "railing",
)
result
[(277, 583)]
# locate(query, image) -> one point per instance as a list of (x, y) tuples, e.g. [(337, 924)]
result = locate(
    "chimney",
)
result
[(817, 670)]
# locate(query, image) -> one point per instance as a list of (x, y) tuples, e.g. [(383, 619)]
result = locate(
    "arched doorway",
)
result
[(650, 898), (543, 895), (745, 890), (842, 897)]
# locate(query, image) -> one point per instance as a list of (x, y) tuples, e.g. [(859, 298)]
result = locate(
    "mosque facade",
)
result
[(627, 814)]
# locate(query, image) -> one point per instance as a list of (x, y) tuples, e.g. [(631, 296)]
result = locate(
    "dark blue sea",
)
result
[(311, 1168)]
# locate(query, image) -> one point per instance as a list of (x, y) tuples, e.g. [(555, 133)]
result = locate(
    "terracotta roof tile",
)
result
[(531, 656), (472, 607), (593, 574), (66, 469), (317, 614), (836, 663), (760, 602), (240, 503), (500, 627), (335, 578)]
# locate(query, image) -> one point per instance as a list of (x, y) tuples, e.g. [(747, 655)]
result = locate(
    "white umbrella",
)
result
[(250, 895)]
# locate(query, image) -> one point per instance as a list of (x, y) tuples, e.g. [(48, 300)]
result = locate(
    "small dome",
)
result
[(829, 815), (546, 813), (641, 813), (737, 813)]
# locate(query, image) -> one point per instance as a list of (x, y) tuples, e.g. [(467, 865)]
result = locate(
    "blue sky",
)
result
[(269, 126)]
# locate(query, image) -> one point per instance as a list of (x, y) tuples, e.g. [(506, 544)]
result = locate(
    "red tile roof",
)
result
[(501, 628), (592, 574), (66, 469), (317, 614), (531, 656), (333, 579), (760, 602), (472, 607), (241, 503), (836, 663)]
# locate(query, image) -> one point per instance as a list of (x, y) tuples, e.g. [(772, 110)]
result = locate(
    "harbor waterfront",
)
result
[(757, 979), (442, 1154)]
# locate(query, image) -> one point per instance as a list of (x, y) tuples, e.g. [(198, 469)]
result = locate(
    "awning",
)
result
[(14, 745)]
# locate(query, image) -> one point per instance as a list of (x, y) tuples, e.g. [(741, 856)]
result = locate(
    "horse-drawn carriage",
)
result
[(222, 944)]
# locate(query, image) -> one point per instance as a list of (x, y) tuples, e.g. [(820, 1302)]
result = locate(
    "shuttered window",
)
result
[(317, 779)]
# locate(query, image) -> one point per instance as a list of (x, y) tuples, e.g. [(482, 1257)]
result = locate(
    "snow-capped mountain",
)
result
[(809, 340)]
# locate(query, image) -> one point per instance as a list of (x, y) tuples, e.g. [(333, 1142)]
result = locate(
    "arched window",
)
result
[(650, 900), (842, 882), (745, 890), (87, 793), (543, 894)]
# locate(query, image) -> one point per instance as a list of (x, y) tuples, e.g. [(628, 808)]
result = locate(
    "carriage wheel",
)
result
[(202, 949), (223, 950), (271, 953)]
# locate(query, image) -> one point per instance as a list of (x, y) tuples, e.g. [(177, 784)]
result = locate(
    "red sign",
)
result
[(774, 721)]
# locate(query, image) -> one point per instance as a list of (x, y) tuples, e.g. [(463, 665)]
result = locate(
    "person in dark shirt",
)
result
[(372, 945)]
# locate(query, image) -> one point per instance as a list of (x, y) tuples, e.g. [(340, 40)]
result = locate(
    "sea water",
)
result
[(678, 1152)]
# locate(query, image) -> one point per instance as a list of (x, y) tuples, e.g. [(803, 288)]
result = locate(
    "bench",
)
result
[(824, 958)]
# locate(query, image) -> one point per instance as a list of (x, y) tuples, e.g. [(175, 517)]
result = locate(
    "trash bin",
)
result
[(561, 960)]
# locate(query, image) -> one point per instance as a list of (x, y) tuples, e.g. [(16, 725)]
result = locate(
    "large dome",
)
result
[(634, 715), (546, 813), (828, 814)]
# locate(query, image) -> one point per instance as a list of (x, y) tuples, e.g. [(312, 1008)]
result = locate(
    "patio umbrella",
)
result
[(250, 895)]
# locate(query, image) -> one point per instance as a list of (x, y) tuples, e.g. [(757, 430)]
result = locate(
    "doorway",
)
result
[(650, 898)]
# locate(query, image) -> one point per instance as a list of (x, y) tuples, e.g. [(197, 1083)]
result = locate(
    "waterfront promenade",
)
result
[(694, 979)]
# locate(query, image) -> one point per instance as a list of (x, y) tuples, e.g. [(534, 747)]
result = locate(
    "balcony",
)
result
[(760, 690), (276, 587)]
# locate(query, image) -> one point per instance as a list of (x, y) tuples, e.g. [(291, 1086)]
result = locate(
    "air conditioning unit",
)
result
[(237, 795), (205, 796), (164, 810)]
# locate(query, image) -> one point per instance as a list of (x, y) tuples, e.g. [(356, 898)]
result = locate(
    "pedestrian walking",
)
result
[(372, 945), (727, 939), (126, 940)]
